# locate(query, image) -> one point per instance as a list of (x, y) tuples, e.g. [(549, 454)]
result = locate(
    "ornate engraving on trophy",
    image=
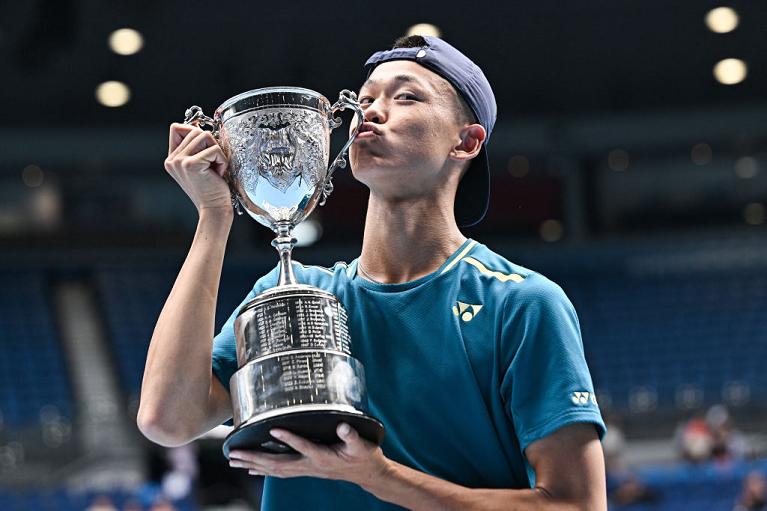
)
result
[(288, 148), (291, 145)]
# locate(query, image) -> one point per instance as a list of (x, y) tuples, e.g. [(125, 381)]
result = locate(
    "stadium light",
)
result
[(618, 160), (519, 166), (754, 213), (307, 233), (722, 20), (730, 71), (746, 167), (701, 154), (126, 41), (551, 230), (113, 94), (32, 176), (424, 29)]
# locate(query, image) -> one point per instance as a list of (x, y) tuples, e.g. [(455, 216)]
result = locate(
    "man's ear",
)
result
[(471, 139)]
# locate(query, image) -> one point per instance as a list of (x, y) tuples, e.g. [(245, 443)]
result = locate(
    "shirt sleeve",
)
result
[(224, 356), (547, 384)]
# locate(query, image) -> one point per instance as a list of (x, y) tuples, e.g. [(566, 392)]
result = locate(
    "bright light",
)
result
[(126, 41), (551, 230), (307, 232), (424, 29), (722, 20), (113, 94), (730, 71)]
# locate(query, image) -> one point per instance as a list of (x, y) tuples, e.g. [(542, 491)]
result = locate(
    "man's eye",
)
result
[(406, 96), (365, 100)]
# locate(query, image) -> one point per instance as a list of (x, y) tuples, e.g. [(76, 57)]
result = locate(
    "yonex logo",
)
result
[(582, 398), (466, 311)]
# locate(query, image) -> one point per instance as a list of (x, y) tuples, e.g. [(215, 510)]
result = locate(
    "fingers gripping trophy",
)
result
[(295, 368)]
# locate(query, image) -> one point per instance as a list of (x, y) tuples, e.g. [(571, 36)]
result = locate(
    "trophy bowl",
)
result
[(296, 370), (277, 142)]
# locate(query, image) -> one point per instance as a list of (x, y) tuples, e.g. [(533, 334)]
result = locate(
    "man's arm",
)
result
[(568, 464), (180, 397), (569, 469)]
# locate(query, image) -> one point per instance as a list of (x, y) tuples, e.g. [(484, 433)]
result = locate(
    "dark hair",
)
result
[(465, 114), (409, 41)]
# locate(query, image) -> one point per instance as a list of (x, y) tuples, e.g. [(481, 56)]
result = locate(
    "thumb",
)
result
[(349, 436)]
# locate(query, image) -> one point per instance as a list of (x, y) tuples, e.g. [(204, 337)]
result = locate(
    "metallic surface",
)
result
[(288, 318), (277, 142), (298, 380)]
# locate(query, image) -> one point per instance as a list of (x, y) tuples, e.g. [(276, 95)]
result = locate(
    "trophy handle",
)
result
[(195, 116), (346, 99)]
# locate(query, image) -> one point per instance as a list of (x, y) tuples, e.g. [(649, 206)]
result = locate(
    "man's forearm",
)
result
[(177, 376), (418, 491), (569, 468)]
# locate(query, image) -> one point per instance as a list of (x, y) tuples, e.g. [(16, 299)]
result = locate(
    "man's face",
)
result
[(412, 124)]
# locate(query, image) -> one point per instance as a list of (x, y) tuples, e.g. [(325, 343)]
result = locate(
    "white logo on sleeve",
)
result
[(583, 398)]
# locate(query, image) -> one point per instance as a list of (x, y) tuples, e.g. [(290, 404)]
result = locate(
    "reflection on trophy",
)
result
[(293, 347)]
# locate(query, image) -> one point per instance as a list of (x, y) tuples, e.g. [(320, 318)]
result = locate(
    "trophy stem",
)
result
[(284, 244)]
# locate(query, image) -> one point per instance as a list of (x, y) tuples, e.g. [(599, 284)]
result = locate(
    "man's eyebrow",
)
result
[(403, 78)]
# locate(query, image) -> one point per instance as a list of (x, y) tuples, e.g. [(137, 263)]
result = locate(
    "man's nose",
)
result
[(375, 113)]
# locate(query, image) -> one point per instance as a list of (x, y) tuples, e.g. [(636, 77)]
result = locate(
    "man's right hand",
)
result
[(197, 163)]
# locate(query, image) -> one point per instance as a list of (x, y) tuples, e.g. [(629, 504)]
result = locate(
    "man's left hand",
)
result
[(354, 459)]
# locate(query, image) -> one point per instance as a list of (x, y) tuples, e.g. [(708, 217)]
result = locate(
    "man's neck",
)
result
[(409, 239)]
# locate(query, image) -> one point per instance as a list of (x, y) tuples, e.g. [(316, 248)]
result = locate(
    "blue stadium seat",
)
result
[(671, 332), (32, 368), (133, 298)]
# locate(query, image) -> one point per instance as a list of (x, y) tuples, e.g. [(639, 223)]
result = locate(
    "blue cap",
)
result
[(473, 194)]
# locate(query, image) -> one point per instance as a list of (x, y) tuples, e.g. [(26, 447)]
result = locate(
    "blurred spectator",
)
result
[(727, 443), (754, 495), (102, 503), (132, 505), (163, 505), (694, 439), (623, 487), (614, 446), (630, 491), (178, 481), (173, 474)]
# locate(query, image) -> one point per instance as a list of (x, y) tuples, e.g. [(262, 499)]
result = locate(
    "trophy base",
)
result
[(318, 426)]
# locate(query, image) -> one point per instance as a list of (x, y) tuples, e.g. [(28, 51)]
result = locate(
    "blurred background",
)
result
[(629, 164)]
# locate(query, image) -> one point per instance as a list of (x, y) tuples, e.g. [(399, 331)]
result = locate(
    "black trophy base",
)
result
[(318, 426)]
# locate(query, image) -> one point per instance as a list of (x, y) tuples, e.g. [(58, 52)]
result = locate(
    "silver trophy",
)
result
[(294, 357)]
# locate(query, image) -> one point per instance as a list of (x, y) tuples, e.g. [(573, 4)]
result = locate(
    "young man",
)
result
[(474, 364)]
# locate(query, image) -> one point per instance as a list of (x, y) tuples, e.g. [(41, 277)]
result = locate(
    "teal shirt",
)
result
[(465, 367)]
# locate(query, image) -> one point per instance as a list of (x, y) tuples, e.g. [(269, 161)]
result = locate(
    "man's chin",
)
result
[(370, 174), (368, 168), (363, 161)]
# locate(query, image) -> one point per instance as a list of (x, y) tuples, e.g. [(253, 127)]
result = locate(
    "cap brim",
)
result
[(473, 195)]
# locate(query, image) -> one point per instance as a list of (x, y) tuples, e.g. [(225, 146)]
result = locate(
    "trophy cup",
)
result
[(295, 371)]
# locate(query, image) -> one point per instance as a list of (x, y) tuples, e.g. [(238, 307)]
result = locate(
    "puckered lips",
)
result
[(368, 131)]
